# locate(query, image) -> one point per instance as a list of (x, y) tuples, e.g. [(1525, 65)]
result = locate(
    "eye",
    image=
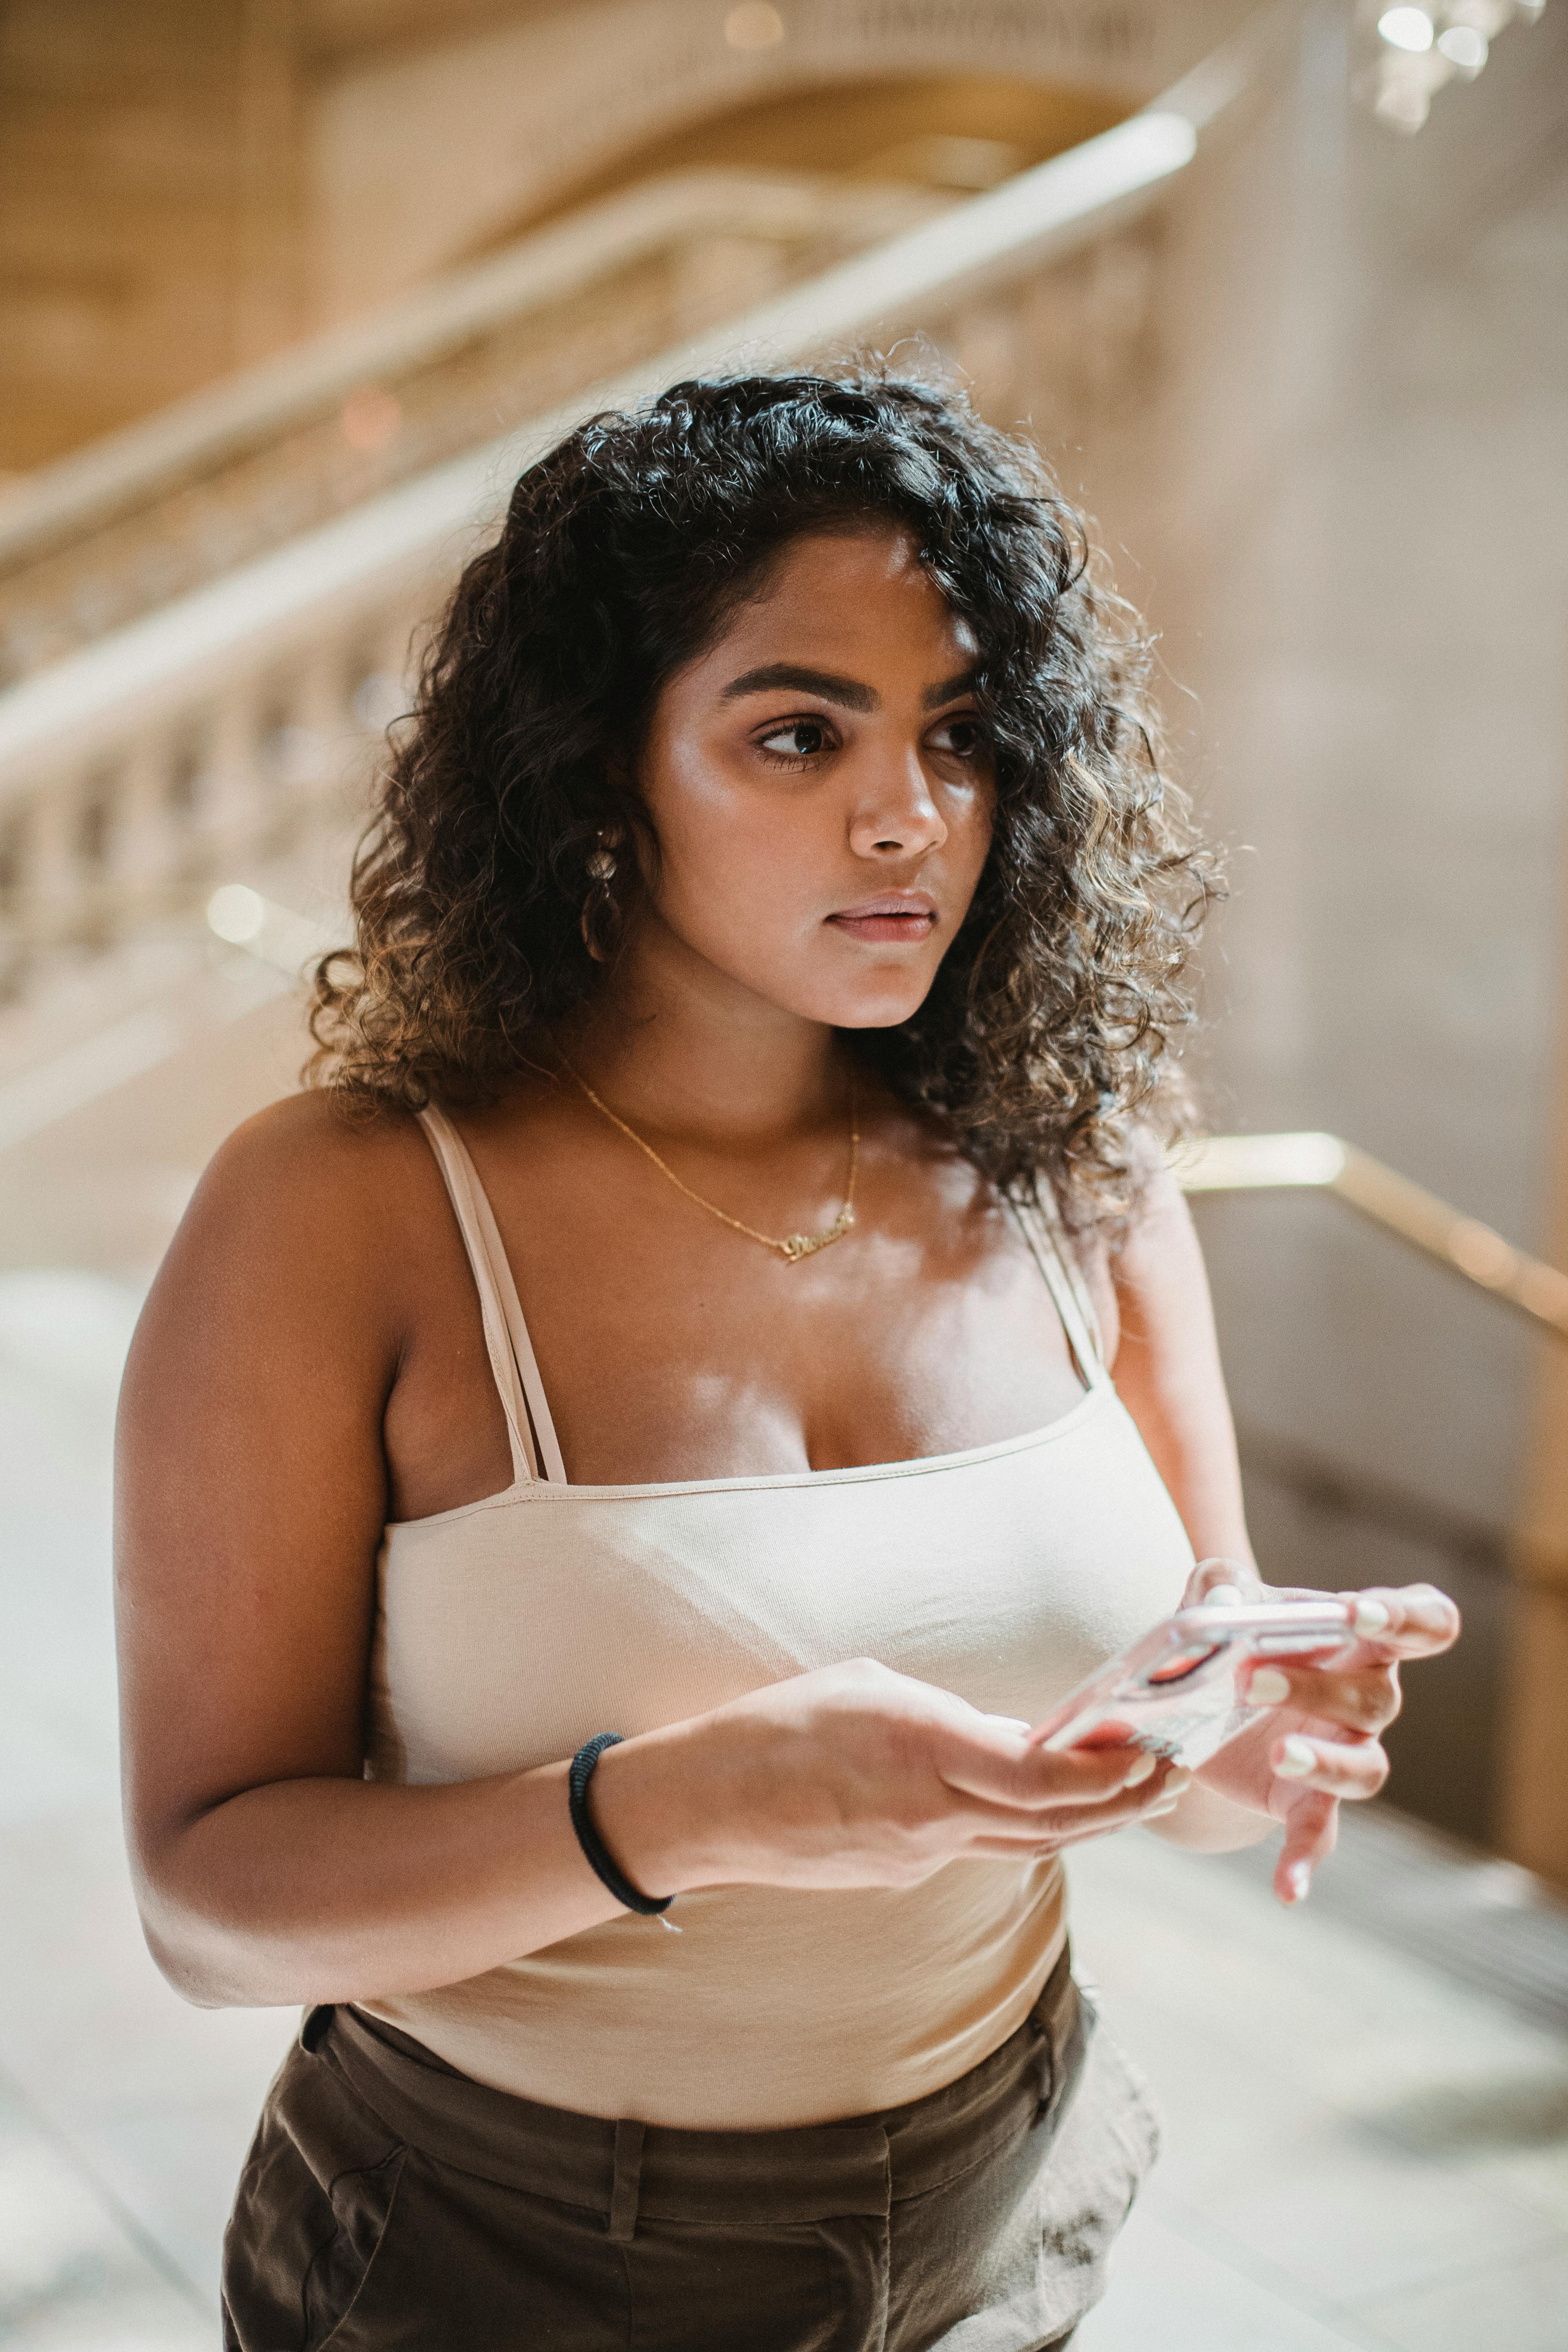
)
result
[(796, 739), (962, 737)]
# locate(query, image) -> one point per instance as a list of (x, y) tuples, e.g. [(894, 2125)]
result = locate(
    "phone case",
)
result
[(1173, 1692)]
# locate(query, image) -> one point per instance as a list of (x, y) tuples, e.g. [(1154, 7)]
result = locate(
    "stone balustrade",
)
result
[(211, 738), (92, 543)]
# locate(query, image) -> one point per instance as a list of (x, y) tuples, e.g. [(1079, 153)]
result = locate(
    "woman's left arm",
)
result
[(1153, 1300), (1318, 1744)]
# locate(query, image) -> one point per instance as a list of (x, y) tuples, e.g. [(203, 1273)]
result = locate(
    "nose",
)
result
[(895, 816)]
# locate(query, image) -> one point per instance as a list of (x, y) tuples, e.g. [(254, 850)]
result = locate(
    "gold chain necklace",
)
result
[(794, 1246)]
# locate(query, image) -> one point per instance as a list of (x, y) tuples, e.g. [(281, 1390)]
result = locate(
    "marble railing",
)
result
[(154, 510), (209, 737)]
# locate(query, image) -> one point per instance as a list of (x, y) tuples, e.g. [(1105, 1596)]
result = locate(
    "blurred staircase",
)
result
[(206, 620), (165, 506), (140, 765), (117, 819)]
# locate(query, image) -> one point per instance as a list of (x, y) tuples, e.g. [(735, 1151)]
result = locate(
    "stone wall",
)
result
[(1343, 502)]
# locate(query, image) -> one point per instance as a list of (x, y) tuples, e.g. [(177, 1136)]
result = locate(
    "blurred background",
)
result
[(289, 292)]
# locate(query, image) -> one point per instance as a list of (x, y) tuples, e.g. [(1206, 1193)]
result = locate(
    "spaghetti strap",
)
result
[(535, 1449), (1042, 1228)]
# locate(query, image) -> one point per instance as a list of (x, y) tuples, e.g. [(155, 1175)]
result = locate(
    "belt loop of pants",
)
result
[(628, 2177), (1040, 2027), (1062, 2020)]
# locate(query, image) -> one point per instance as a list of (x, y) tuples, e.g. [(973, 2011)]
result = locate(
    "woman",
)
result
[(688, 1312)]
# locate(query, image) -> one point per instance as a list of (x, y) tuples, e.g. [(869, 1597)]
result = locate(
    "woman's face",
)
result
[(821, 788)]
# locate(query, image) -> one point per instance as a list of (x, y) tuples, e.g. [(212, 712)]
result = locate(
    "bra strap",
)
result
[(1041, 1225), (535, 1450)]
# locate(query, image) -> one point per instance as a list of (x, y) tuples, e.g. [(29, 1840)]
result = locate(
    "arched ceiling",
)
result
[(963, 132), (433, 132)]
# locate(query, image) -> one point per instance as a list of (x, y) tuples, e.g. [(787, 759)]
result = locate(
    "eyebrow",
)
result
[(847, 691), (824, 682)]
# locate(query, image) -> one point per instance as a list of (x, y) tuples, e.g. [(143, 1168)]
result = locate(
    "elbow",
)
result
[(191, 1959), (191, 1972), (211, 1964)]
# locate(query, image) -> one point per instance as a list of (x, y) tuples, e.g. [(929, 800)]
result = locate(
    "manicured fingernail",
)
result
[(1165, 1805), (1268, 1688), (1371, 1616), (1297, 1757), (1139, 1772), (1178, 1781), (1299, 1879), (1224, 1596)]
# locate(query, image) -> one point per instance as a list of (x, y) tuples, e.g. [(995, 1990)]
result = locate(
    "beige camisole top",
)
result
[(511, 1630)]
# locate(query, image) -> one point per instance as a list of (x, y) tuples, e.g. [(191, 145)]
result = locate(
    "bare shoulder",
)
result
[(307, 1152), (301, 1220), (1156, 1264), (1118, 1260), (1160, 1218)]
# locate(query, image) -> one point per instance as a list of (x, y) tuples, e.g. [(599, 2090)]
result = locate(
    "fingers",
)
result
[(1145, 1800), (1414, 1621), (1349, 1769), (1163, 1797), (1014, 1835), (1311, 1827), (1003, 1770), (1363, 1698), (1213, 1578)]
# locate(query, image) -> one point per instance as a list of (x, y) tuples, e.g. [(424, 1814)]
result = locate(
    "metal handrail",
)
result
[(1318, 1162)]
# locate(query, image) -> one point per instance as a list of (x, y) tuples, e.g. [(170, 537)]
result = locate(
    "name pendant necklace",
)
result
[(791, 1247)]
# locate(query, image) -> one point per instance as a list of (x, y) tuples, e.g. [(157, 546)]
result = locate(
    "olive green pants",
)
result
[(390, 2204)]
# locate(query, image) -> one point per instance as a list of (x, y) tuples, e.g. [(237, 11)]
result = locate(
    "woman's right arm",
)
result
[(251, 1494), (251, 1489)]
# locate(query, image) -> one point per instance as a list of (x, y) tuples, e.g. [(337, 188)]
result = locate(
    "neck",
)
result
[(674, 1044)]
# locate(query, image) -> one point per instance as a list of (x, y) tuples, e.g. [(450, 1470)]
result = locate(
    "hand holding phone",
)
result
[(1175, 1691)]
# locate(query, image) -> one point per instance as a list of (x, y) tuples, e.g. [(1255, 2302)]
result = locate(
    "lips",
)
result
[(905, 917)]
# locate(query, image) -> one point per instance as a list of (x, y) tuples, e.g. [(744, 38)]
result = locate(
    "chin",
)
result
[(883, 1009), (860, 1019), (861, 1001)]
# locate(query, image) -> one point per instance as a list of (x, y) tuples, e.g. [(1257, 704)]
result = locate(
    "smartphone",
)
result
[(1174, 1691)]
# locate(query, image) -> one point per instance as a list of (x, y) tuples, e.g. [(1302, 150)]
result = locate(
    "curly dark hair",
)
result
[(1045, 1043)]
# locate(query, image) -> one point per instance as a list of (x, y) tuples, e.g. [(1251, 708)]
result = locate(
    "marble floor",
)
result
[(1360, 2149)]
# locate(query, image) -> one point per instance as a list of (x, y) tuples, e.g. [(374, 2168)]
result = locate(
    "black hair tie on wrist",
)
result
[(595, 1851)]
